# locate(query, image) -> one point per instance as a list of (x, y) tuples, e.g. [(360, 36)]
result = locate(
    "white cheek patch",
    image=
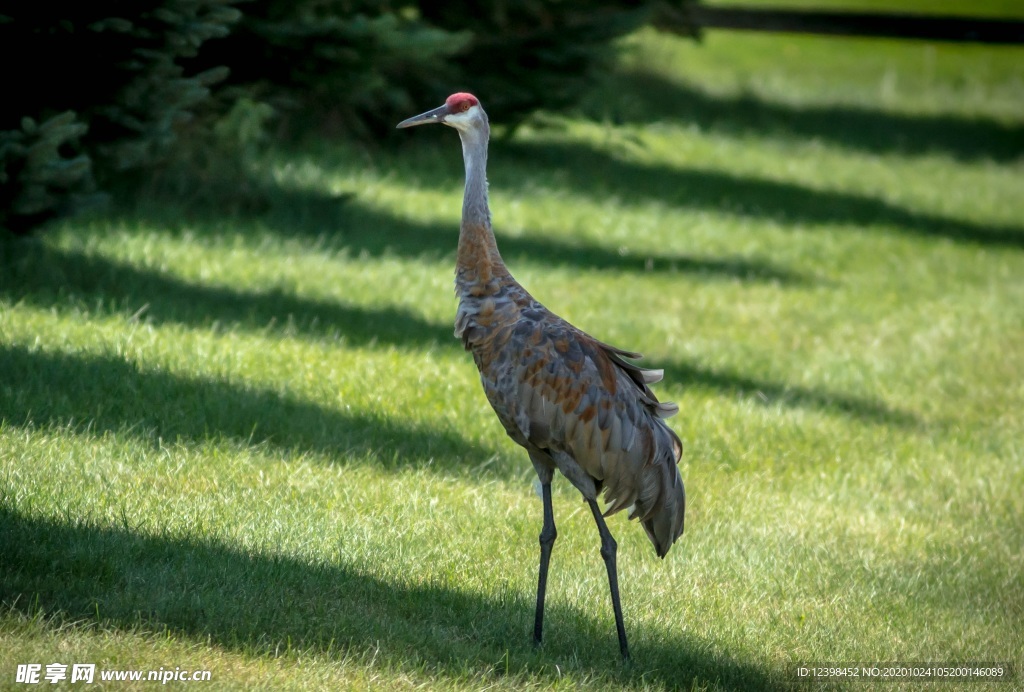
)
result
[(461, 118)]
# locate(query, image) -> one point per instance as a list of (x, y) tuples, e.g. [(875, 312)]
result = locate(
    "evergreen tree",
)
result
[(540, 54), (363, 65), (356, 65), (105, 80), (37, 180)]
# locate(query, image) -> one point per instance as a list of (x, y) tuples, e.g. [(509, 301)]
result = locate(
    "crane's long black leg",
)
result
[(609, 548), (547, 540)]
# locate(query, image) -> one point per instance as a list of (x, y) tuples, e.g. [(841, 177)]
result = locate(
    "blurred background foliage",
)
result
[(94, 89), (116, 90)]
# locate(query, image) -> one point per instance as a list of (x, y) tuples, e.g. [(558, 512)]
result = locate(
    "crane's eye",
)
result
[(464, 106)]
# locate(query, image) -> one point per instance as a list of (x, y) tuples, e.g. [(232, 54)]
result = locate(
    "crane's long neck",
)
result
[(478, 260)]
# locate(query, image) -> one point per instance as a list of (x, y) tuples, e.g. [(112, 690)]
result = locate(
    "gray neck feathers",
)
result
[(475, 210)]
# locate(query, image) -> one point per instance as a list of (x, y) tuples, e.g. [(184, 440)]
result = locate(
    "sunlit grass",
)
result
[(248, 442)]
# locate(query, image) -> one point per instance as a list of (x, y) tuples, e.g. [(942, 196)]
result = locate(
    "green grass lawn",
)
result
[(996, 9), (247, 441)]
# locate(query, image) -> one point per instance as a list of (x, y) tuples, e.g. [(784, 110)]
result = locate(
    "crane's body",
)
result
[(574, 403)]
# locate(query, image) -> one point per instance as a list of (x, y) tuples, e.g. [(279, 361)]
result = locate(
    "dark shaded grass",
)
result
[(643, 97), (344, 222), (37, 274), (401, 236), (117, 578), (600, 174), (44, 276), (581, 168), (768, 393), (105, 393)]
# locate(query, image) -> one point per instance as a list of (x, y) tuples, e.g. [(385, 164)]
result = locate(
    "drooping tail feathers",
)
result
[(661, 501), (661, 505), (660, 498)]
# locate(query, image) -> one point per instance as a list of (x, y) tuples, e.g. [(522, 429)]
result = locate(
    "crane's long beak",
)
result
[(434, 116)]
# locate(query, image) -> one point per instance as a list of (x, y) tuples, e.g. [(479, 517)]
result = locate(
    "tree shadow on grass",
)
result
[(771, 393), (44, 276), (398, 235), (120, 394), (602, 175), (261, 603), (346, 223), (104, 393), (642, 97)]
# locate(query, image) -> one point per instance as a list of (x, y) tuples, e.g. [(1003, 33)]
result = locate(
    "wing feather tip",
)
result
[(666, 409)]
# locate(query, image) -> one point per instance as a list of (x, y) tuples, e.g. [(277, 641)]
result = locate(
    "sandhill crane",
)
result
[(574, 403)]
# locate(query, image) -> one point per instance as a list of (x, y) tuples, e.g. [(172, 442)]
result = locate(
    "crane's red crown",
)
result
[(461, 102)]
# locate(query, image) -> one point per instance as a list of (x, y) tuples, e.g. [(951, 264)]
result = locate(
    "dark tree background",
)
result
[(95, 89)]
